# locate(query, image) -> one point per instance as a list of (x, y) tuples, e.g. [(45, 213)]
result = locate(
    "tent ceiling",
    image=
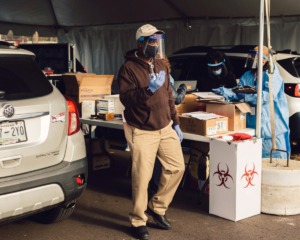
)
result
[(55, 14)]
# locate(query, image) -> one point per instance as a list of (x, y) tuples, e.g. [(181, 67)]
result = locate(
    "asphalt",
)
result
[(102, 213)]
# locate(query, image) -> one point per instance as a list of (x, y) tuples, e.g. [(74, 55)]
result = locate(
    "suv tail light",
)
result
[(292, 90), (73, 118)]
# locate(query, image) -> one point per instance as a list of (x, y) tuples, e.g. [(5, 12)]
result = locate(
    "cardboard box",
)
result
[(105, 106), (190, 104), (208, 127), (235, 178), (94, 146), (87, 108), (100, 161), (87, 86), (236, 113), (119, 107), (72, 82), (95, 87)]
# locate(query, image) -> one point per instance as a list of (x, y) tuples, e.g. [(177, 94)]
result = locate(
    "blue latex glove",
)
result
[(156, 82), (216, 90), (228, 94), (178, 131), (241, 96)]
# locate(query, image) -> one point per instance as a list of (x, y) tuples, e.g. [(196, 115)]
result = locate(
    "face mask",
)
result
[(218, 72), (150, 51)]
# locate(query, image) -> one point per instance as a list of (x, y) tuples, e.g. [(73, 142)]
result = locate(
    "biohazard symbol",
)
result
[(249, 175), (223, 176)]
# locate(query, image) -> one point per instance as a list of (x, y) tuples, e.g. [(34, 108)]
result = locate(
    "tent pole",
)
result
[(259, 83)]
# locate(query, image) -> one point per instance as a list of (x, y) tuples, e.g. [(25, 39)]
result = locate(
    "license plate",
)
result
[(12, 132)]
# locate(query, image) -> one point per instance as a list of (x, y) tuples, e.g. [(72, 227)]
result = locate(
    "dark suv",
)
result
[(190, 64)]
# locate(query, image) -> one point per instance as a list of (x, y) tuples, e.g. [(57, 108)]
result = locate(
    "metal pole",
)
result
[(259, 83)]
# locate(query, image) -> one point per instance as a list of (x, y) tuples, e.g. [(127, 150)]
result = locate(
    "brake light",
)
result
[(292, 90), (73, 117), (297, 91), (80, 179)]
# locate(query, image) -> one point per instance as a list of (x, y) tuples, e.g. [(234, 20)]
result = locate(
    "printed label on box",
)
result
[(242, 116), (221, 126), (211, 130)]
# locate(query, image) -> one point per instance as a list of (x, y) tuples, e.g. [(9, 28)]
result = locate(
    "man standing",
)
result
[(151, 128)]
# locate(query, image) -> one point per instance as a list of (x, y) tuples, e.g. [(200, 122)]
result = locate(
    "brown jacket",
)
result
[(143, 109)]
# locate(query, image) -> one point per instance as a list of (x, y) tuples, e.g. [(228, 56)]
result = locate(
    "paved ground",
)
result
[(102, 213)]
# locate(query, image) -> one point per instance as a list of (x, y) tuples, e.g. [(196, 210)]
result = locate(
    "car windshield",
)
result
[(21, 78)]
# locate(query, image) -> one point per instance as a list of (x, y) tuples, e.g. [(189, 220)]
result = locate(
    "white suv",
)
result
[(43, 164), (190, 64)]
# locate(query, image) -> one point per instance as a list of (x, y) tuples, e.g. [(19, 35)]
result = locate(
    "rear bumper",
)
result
[(47, 187)]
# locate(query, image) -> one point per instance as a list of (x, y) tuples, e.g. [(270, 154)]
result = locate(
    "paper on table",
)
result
[(208, 95), (202, 115)]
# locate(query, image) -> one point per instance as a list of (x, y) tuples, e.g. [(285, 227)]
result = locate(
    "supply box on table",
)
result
[(214, 125), (190, 104), (119, 107), (105, 106), (235, 178), (236, 113), (88, 86)]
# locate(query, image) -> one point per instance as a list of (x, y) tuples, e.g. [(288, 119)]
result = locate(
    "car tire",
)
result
[(56, 214)]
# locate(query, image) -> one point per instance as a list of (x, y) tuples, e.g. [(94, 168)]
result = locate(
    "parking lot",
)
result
[(102, 213)]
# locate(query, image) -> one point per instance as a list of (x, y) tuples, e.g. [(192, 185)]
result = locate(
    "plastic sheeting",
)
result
[(101, 49)]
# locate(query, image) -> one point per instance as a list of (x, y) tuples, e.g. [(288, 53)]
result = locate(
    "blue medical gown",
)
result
[(281, 113)]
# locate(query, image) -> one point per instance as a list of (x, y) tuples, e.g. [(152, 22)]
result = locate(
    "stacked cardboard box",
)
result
[(236, 113), (190, 104), (105, 106), (87, 86), (205, 127), (97, 156), (119, 107)]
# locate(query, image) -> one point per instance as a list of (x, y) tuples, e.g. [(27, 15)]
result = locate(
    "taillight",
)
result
[(73, 120), (80, 179), (292, 90)]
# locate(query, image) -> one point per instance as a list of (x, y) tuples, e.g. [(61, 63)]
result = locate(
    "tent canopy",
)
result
[(48, 16), (103, 30)]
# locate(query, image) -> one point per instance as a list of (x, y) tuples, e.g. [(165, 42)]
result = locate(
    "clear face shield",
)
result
[(252, 60), (154, 46)]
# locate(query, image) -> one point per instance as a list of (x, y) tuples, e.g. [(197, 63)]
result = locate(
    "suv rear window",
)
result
[(21, 78), (292, 65), (195, 67), (188, 68)]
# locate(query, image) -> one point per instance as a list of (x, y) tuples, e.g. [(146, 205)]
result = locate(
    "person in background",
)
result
[(281, 113), (179, 95), (219, 72), (219, 75), (151, 129)]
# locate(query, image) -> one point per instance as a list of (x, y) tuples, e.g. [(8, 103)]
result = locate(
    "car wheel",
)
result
[(56, 214)]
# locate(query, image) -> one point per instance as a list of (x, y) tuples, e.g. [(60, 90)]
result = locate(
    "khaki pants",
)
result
[(145, 146)]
